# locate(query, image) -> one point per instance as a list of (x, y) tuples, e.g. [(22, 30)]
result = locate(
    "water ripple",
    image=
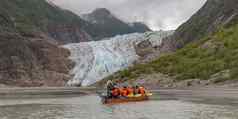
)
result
[(89, 107)]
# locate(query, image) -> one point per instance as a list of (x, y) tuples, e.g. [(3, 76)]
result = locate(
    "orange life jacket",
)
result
[(121, 91), (116, 92), (130, 91), (124, 92)]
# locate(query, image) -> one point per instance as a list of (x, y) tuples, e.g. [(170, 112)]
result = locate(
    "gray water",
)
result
[(89, 107)]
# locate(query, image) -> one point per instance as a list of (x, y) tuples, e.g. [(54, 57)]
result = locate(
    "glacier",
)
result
[(96, 60)]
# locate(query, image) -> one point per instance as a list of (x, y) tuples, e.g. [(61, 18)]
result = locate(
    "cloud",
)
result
[(157, 14)]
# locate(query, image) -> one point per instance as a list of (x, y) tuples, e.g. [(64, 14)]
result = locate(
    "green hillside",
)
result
[(34, 14), (200, 59)]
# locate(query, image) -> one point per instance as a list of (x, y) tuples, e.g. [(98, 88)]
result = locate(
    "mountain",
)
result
[(213, 15), (207, 52), (31, 35), (105, 24), (31, 32), (98, 59), (38, 16), (139, 27)]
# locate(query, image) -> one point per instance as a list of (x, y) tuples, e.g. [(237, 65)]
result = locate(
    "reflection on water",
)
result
[(89, 107)]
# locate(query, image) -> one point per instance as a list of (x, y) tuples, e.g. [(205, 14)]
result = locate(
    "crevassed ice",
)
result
[(98, 59)]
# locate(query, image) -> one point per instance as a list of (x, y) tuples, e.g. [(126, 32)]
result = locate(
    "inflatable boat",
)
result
[(136, 98)]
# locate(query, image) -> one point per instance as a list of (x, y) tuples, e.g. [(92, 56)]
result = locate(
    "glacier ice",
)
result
[(96, 60)]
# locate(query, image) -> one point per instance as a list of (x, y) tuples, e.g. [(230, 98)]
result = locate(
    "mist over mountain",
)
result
[(105, 24), (157, 14)]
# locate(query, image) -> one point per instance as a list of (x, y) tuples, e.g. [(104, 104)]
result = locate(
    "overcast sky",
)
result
[(157, 14)]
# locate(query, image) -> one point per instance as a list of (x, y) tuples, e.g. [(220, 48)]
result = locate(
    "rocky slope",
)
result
[(97, 60), (208, 43), (29, 52), (105, 24), (32, 61)]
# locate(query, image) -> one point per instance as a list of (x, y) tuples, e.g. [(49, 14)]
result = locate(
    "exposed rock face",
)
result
[(144, 48), (105, 24), (214, 14), (68, 33), (32, 61), (152, 47), (99, 59), (29, 56)]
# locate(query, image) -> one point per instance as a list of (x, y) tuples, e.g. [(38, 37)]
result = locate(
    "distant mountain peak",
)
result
[(106, 24), (101, 11)]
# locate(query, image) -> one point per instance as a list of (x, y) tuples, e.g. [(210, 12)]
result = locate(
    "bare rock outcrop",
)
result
[(32, 61)]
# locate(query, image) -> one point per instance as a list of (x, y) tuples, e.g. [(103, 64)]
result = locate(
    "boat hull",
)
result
[(124, 100)]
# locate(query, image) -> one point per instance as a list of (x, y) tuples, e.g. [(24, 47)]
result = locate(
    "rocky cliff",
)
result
[(98, 59), (30, 34), (32, 61)]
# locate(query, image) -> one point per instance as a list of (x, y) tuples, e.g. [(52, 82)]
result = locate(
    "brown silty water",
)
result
[(90, 107)]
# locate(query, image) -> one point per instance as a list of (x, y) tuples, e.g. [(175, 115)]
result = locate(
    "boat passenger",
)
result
[(141, 90), (109, 86), (136, 90), (130, 91), (124, 92), (121, 91), (115, 92)]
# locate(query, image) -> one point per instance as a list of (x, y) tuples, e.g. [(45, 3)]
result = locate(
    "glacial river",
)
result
[(89, 107)]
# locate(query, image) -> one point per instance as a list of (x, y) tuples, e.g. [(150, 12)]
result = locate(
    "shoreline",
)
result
[(220, 96), (200, 95), (16, 92)]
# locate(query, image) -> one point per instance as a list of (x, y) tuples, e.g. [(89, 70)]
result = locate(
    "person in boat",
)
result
[(124, 92), (136, 90), (109, 87), (130, 91), (115, 92), (121, 91), (142, 90)]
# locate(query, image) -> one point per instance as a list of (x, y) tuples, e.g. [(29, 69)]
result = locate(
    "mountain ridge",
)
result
[(203, 50), (108, 25), (31, 35), (214, 14), (40, 16)]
